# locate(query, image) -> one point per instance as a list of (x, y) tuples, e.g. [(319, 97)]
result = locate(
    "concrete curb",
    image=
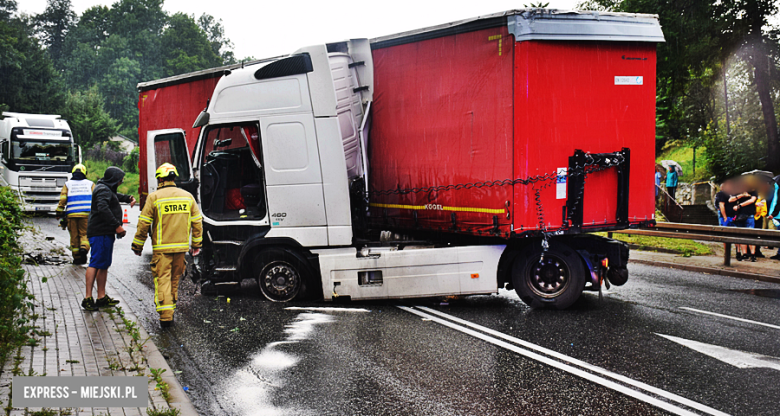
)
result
[(155, 359), (709, 270)]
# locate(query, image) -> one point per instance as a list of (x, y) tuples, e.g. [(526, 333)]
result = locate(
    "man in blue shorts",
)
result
[(104, 224)]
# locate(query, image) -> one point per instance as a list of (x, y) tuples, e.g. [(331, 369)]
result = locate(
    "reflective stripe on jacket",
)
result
[(169, 213), (76, 198)]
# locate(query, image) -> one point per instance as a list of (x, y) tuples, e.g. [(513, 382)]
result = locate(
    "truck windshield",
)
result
[(232, 185), (41, 152)]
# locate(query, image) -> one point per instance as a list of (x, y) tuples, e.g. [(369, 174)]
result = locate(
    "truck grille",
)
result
[(41, 193), (36, 182)]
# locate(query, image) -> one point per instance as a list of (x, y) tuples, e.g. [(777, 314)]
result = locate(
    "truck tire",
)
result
[(281, 275), (556, 280)]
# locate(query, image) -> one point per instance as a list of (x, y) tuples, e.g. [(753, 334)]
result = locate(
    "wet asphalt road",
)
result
[(253, 357)]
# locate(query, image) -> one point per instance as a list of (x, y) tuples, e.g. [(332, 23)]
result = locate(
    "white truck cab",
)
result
[(37, 153)]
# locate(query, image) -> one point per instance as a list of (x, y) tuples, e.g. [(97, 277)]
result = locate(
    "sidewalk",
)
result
[(74, 342), (766, 270)]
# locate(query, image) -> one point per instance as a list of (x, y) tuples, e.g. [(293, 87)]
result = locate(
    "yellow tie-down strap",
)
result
[(437, 207)]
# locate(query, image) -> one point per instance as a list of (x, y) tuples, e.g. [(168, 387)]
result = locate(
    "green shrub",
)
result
[(96, 169), (130, 162), (15, 297)]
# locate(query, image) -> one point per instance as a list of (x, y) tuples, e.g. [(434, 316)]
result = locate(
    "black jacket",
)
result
[(106, 213)]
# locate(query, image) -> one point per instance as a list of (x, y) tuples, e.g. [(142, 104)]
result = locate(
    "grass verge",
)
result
[(683, 247), (684, 156)]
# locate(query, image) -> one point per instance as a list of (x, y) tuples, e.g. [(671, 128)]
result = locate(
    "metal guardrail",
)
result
[(726, 235)]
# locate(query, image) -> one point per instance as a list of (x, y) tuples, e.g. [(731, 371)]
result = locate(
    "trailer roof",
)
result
[(524, 24), (544, 24), (198, 75)]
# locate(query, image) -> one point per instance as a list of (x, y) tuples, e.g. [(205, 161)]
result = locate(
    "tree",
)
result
[(88, 120), (220, 44), (141, 22), (53, 26), (83, 49), (688, 61), (118, 87), (700, 37), (30, 82), (115, 48), (7, 9), (747, 20), (185, 47), (743, 148)]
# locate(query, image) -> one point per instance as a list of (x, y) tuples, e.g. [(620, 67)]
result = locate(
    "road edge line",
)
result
[(577, 372), (735, 318), (579, 363)]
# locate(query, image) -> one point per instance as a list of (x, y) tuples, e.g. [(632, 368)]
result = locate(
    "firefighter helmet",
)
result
[(166, 170), (81, 168)]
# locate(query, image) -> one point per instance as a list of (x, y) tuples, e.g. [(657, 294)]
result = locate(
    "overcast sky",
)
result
[(271, 28)]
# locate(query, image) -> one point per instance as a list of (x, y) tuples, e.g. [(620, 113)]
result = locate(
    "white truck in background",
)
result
[(37, 153)]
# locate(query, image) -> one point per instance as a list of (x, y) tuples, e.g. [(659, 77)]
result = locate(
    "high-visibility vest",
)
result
[(79, 196)]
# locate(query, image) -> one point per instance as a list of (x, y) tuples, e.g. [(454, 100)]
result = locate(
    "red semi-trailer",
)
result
[(486, 147), (480, 106)]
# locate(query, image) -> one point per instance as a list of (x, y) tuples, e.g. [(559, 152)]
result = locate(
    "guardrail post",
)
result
[(727, 254)]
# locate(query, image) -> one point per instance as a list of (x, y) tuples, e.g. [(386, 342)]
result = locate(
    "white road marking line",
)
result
[(598, 370), (326, 309), (737, 358), (731, 317)]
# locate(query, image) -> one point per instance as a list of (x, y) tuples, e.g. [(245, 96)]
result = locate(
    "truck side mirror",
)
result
[(79, 149), (202, 120)]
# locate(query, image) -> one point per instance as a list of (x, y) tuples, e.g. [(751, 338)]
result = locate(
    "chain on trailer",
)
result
[(593, 163)]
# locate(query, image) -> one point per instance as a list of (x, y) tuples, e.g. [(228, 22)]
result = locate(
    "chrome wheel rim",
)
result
[(549, 277)]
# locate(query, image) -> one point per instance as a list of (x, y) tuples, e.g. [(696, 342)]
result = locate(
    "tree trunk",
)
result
[(759, 58), (726, 99), (764, 87)]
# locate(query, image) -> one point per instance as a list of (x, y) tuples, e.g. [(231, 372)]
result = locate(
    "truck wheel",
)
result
[(556, 280), (281, 275)]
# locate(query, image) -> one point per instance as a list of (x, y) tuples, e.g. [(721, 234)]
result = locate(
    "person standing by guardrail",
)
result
[(725, 208), (671, 180), (760, 219), (773, 214), (745, 208)]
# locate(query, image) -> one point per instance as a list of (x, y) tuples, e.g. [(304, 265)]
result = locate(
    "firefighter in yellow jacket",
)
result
[(168, 216), (75, 204)]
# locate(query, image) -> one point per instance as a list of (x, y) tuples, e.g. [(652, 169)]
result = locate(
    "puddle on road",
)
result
[(764, 293), (251, 388)]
